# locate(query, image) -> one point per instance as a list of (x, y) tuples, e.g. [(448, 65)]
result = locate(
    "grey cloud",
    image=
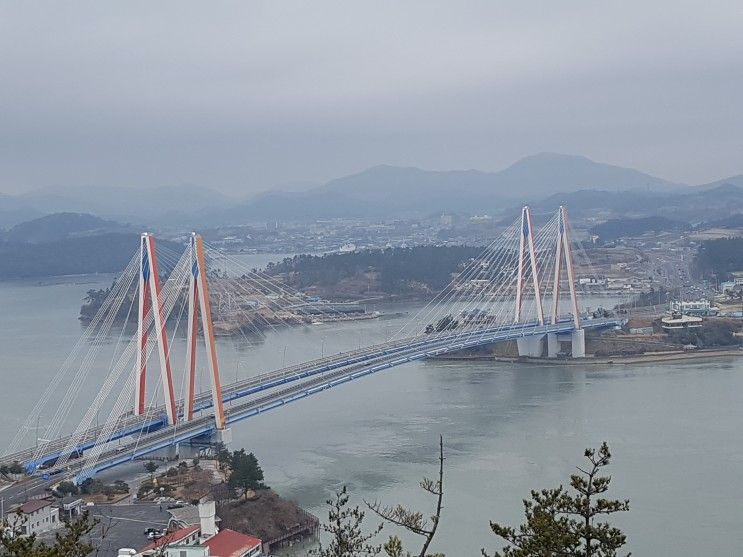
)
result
[(244, 95)]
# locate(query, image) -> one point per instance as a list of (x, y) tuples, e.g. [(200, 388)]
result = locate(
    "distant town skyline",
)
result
[(245, 97)]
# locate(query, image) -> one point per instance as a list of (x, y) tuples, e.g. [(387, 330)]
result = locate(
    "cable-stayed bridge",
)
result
[(521, 288)]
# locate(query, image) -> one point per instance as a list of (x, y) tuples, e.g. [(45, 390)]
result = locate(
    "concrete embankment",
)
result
[(668, 356)]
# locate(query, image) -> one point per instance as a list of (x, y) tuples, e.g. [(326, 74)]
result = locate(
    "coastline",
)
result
[(669, 356)]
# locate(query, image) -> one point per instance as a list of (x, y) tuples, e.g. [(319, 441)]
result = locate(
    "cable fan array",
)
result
[(515, 284)]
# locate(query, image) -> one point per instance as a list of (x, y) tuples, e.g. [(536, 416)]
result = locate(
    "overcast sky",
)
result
[(246, 95)]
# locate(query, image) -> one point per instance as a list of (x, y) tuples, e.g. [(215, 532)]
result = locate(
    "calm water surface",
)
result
[(675, 429)]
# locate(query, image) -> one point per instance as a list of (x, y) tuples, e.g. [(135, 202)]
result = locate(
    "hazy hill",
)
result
[(693, 205), (544, 180), (617, 228), (103, 253), (400, 191), (734, 181), (733, 221), (291, 206), (59, 226), (131, 204)]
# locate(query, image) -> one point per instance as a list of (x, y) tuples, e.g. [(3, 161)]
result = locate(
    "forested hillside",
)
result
[(391, 271), (105, 253), (618, 228), (720, 257)]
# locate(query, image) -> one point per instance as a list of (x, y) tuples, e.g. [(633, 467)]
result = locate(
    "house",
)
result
[(229, 543), (34, 517), (183, 536), (201, 540)]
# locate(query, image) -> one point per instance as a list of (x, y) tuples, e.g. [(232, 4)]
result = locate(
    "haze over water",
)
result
[(674, 429)]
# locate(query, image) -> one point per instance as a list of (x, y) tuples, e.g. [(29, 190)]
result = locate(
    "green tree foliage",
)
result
[(345, 527), (15, 468), (246, 474), (94, 299), (68, 543), (719, 257), (712, 333), (446, 323), (222, 455), (92, 486), (67, 488), (559, 522), (398, 267), (151, 467), (100, 253)]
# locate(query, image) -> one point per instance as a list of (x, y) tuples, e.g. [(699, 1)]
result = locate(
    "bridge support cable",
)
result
[(496, 258), (86, 363), (126, 361), (498, 292), (490, 304), (171, 295), (500, 278), (281, 296), (493, 255), (199, 302), (72, 359), (258, 302)]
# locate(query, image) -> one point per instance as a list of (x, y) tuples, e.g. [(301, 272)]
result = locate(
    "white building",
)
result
[(34, 517), (697, 307), (201, 540)]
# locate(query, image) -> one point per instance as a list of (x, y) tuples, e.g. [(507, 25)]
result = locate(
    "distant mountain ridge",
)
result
[(121, 203), (692, 205), (384, 192), (405, 191), (60, 226)]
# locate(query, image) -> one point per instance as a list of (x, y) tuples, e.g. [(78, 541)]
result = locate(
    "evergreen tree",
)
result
[(68, 543), (561, 523), (151, 467), (246, 473), (347, 538)]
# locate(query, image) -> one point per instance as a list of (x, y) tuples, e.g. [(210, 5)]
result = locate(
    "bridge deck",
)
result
[(276, 389)]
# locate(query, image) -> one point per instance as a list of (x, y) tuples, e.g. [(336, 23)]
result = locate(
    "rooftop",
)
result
[(34, 505), (172, 538), (229, 543)]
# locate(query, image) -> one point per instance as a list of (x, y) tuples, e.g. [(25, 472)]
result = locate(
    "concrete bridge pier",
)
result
[(166, 453), (553, 345), (195, 447), (531, 346), (578, 342)]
